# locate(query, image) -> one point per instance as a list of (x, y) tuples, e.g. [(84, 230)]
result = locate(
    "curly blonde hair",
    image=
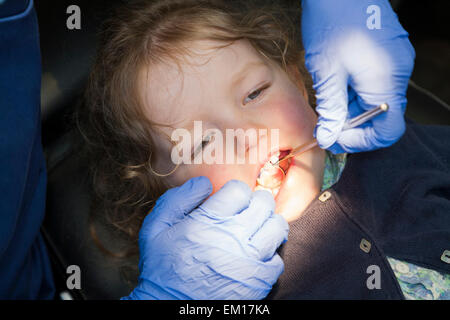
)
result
[(117, 134)]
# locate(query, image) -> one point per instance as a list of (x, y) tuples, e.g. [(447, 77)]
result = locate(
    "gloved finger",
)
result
[(354, 110), (173, 205), (273, 268), (269, 237), (332, 99), (231, 199), (261, 207), (383, 131), (259, 278)]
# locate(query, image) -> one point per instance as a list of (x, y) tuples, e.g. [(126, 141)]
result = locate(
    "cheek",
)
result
[(293, 115)]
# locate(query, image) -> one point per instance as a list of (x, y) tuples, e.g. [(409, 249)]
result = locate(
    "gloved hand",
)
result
[(374, 64), (224, 248)]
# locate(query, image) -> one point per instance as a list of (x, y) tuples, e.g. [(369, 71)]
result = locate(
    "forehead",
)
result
[(175, 91)]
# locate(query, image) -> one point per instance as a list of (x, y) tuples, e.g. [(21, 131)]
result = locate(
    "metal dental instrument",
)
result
[(352, 123)]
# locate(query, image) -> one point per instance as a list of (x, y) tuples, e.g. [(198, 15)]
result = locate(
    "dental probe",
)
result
[(352, 123)]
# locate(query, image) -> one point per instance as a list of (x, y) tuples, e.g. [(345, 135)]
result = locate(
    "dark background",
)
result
[(428, 24)]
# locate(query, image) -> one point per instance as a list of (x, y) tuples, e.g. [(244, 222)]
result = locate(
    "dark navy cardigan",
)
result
[(391, 202)]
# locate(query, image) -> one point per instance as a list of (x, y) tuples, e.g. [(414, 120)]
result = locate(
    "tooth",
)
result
[(274, 158), (269, 176)]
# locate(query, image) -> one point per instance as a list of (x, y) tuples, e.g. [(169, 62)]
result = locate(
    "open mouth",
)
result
[(271, 176)]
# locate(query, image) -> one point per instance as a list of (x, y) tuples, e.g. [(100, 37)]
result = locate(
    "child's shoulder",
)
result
[(438, 132), (423, 153)]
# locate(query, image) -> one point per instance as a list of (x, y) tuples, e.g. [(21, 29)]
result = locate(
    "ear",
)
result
[(297, 78)]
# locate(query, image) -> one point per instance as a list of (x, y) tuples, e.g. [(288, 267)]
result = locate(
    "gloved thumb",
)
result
[(174, 205), (330, 84), (231, 199), (385, 130)]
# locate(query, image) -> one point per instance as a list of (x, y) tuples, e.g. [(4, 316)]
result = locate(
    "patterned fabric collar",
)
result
[(334, 165)]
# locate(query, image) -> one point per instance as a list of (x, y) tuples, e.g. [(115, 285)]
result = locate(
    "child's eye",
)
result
[(254, 95)]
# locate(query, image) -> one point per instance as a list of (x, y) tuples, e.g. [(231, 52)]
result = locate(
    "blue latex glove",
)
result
[(221, 248), (355, 69)]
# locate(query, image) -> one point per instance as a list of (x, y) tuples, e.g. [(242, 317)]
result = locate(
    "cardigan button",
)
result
[(365, 245), (402, 267), (325, 196), (446, 256)]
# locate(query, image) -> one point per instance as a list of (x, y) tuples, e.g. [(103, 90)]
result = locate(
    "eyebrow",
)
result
[(240, 75)]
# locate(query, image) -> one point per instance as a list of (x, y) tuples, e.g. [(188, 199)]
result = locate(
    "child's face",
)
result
[(235, 88)]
